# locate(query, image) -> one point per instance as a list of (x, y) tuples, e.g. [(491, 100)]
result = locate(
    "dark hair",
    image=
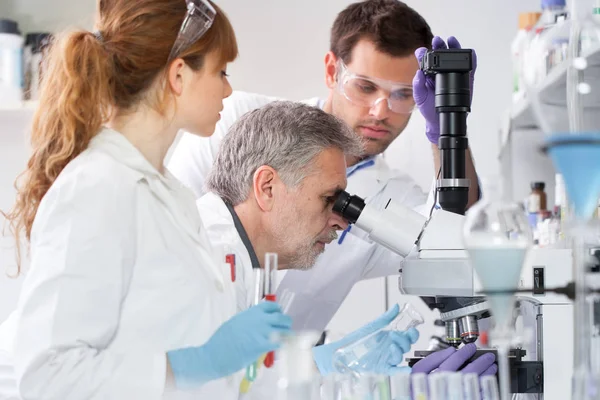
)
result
[(89, 76), (394, 28)]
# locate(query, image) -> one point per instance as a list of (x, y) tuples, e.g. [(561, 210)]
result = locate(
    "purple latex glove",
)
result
[(450, 360), (424, 88)]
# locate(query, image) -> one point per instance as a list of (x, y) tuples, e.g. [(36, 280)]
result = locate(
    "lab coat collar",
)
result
[(117, 145), (366, 163), (368, 181), (243, 235)]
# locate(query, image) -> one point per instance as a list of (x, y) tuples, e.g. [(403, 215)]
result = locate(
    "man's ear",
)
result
[(263, 184), (330, 70)]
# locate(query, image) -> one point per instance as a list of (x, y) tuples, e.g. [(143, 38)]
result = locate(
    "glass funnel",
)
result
[(497, 239)]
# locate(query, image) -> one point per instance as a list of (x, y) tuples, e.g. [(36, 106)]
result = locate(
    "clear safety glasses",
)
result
[(198, 19), (369, 92)]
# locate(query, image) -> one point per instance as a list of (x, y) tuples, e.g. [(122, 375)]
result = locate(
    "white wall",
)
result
[(282, 46), (40, 15), (13, 156)]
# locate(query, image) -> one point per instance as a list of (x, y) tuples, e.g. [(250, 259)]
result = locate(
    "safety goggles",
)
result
[(198, 19), (369, 92)]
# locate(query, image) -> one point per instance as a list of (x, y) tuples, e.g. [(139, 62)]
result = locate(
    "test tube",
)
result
[(471, 387), (455, 386), (438, 386), (271, 264), (270, 276), (419, 386), (489, 388), (400, 386)]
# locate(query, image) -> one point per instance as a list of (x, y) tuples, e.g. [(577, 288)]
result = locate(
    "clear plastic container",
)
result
[(11, 63), (518, 47), (372, 352), (553, 11)]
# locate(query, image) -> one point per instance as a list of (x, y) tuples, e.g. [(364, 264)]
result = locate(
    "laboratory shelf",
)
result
[(553, 87), (521, 115)]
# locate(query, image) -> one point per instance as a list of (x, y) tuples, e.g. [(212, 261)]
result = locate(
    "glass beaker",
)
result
[(372, 353), (298, 375)]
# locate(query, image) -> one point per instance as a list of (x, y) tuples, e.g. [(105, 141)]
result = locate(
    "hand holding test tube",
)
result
[(265, 283)]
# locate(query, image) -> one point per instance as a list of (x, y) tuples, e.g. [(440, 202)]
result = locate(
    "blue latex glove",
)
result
[(236, 344), (450, 360), (424, 88), (393, 344)]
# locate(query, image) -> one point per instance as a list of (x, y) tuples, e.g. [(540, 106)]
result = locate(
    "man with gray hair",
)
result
[(271, 190), (280, 170)]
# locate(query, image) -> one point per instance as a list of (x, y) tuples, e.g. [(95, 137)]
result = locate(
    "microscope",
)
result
[(436, 266)]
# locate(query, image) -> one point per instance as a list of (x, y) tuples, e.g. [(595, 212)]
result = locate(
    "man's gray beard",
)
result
[(305, 257)]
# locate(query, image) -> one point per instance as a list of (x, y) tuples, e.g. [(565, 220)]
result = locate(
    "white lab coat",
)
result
[(320, 291), (225, 238), (121, 272), (8, 381)]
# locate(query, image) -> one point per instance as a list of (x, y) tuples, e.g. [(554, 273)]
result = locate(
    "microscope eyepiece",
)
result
[(348, 207)]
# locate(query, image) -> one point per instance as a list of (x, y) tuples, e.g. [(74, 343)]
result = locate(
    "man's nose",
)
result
[(380, 109), (337, 222)]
